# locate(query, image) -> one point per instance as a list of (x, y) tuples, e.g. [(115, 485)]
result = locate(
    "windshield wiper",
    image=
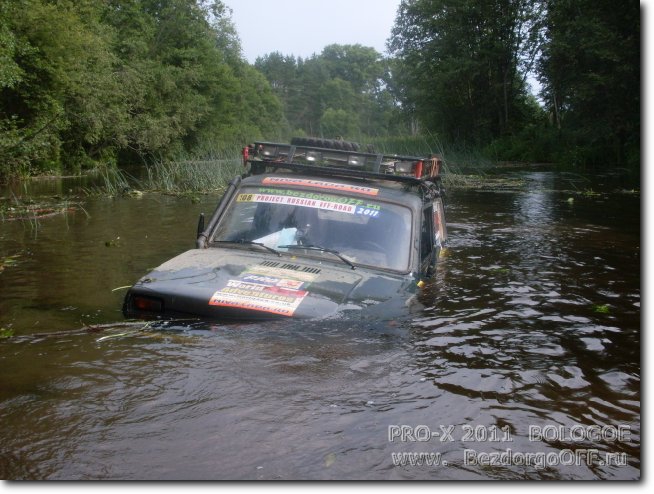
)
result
[(249, 242), (321, 249)]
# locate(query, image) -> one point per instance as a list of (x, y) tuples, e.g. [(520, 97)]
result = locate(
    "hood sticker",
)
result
[(320, 184), (259, 289)]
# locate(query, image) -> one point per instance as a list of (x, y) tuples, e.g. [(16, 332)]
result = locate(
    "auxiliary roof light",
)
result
[(355, 160), (312, 156)]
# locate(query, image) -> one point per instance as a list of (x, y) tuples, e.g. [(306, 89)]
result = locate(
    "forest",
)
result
[(87, 84)]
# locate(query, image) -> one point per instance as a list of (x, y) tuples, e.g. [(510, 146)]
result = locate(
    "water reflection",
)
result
[(531, 322), (547, 332)]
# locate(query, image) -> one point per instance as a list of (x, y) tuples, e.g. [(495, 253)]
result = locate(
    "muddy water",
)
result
[(522, 360)]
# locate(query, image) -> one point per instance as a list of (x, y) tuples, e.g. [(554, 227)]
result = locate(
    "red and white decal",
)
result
[(265, 289), (252, 296), (320, 184)]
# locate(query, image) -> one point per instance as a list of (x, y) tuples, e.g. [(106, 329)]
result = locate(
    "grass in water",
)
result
[(176, 177), (187, 176), (463, 167)]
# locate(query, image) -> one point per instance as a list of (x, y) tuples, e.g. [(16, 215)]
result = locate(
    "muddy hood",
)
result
[(227, 283)]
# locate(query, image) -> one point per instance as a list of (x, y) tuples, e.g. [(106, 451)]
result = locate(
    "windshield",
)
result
[(366, 232)]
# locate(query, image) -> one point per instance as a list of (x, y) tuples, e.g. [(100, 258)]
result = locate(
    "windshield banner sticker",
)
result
[(297, 201), (371, 210), (319, 196), (320, 184)]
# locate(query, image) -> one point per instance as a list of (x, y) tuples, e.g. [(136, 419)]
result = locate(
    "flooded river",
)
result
[(521, 361)]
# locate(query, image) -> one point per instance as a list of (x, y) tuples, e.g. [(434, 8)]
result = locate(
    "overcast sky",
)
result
[(305, 27)]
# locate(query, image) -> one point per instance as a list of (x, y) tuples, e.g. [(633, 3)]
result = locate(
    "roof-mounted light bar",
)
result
[(335, 161)]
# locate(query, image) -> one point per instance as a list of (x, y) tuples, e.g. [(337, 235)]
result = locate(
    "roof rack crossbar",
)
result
[(291, 153), (378, 162)]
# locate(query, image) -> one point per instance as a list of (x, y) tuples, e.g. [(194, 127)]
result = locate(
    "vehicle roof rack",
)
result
[(265, 156)]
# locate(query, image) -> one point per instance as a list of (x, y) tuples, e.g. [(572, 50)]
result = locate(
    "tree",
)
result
[(590, 74), (338, 123), (351, 78), (339, 94), (85, 82), (56, 85), (359, 65), (178, 80), (282, 73), (464, 63)]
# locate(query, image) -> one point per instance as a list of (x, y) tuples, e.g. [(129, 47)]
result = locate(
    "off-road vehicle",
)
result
[(312, 229)]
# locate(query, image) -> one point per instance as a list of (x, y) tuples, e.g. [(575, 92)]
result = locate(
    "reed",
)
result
[(458, 160), (179, 176), (407, 145), (188, 176), (114, 181)]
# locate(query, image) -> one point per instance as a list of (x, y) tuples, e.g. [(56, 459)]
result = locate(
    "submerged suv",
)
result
[(313, 229)]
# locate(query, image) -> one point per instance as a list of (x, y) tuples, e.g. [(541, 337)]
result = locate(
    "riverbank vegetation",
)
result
[(176, 177), (85, 82), (163, 83)]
